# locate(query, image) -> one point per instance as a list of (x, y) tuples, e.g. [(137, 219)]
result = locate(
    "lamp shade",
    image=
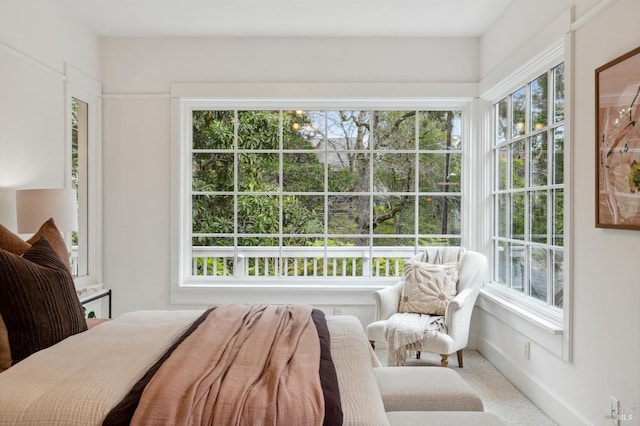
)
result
[(36, 206)]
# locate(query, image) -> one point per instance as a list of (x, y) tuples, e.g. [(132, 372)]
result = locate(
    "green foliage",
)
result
[(270, 204)]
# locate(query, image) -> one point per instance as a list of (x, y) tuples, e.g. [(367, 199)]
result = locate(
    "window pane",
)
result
[(386, 222), (558, 217), (258, 172), (258, 214), (258, 129), (302, 129), (558, 155), (439, 215), (394, 172), (348, 214), (440, 172), (539, 102), (502, 256), (213, 241), (212, 214), (518, 108), (502, 164), (439, 130), (302, 172), (558, 277), (303, 214), (517, 262), (501, 211), (348, 130), (394, 242), (425, 242), (517, 216), (213, 257), (394, 129), (558, 95), (80, 140), (213, 172), (502, 126), (538, 216), (352, 175), (212, 129), (518, 161), (538, 274), (539, 158)]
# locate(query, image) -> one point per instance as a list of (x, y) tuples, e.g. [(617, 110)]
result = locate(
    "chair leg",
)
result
[(445, 360), (417, 354), (459, 358), (373, 344)]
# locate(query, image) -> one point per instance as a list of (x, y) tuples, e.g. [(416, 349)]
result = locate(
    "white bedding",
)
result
[(77, 381)]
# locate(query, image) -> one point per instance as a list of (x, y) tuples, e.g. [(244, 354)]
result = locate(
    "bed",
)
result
[(257, 364), (80, 379)]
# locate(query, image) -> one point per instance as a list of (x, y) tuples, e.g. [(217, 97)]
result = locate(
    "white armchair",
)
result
[(457, 318)]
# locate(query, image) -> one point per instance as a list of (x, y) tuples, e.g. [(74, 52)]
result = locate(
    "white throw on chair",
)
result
[(453, 333)]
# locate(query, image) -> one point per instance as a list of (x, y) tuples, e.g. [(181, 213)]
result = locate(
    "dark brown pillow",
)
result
[(38, 300), (50, 231)]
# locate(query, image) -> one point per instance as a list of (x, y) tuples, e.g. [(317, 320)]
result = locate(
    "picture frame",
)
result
[(617, 111)]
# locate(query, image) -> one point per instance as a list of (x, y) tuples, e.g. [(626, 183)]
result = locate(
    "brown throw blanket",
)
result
[(241, 365)]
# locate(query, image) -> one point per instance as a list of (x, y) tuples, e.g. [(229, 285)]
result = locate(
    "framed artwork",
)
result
[(618, 142)]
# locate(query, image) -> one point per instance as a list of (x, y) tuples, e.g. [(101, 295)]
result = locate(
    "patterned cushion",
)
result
[(428, 288), (38, 300)]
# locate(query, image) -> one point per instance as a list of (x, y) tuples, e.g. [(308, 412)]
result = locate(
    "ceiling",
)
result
[(287, 18)]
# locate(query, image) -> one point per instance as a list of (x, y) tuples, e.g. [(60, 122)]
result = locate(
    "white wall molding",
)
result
[(327, 91), (30, 60), (546, 399), (591, 14), (137, 96)]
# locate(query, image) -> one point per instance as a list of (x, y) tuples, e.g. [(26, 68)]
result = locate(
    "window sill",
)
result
[(329, 292), (538, 322)]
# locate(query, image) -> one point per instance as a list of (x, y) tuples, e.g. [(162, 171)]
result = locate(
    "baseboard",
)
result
[(552, 405)]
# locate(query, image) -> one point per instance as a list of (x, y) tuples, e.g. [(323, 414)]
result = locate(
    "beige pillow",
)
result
[(428, 288)]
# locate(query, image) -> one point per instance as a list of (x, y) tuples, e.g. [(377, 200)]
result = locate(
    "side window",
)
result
[(528, 193), (79, 182)]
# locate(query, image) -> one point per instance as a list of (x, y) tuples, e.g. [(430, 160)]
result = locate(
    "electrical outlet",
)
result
[(614, 410), (527, 350)]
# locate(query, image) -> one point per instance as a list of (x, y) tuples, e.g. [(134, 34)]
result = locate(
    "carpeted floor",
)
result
[(497, 393)]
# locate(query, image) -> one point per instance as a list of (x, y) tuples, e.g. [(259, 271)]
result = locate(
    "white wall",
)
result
[(137, 73), (37, 39), (606, 318)]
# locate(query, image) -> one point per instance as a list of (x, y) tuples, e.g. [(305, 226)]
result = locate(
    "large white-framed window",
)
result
[(528, 188), (528, 147), (323, 195)]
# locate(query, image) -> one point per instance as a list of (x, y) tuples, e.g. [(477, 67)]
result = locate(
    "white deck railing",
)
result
[(332, 262)]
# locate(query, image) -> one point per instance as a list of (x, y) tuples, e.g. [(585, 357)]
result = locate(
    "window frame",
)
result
[(84, 88), (184, 290), (548, 326)]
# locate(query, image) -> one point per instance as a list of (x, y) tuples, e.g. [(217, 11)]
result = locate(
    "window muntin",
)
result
[(345, 186), (528, 194)]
